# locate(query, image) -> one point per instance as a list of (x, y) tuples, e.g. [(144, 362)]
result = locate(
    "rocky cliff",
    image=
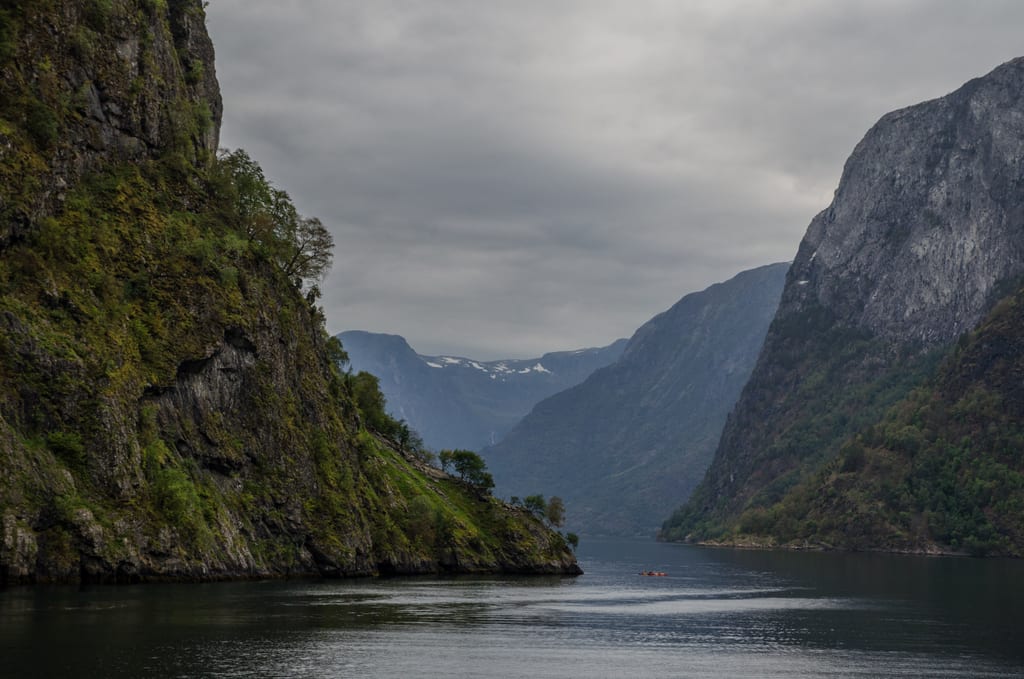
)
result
[(170, 406), (922, 237), (636, 437), (85, 84), (456, 402)]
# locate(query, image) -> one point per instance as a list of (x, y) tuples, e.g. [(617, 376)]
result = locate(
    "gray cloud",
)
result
[(508, 178)]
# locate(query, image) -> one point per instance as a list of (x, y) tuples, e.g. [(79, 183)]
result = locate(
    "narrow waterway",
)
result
[(715, 613)]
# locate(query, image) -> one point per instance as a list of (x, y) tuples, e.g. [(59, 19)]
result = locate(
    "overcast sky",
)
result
[(505, 178)]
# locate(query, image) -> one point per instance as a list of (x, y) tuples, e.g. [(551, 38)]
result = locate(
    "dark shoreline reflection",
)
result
[(717, 613)]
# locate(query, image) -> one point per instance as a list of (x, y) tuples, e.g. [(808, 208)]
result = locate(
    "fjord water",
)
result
[(717, 612)]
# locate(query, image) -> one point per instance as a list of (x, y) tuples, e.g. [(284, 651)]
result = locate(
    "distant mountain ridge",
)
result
[(457, 402), (636, 436)]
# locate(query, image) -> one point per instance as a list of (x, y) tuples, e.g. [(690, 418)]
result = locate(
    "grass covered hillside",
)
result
[(170, 405)]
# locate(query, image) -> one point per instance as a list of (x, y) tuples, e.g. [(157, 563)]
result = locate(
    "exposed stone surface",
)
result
[(168, 407), (927, 219), (121, 81), (925, 232)]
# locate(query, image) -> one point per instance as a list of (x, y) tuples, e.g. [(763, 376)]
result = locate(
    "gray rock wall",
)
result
[(925, 232), (927, 219), (127, 80)]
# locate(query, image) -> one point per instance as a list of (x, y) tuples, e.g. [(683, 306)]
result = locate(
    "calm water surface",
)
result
[(717, 613)]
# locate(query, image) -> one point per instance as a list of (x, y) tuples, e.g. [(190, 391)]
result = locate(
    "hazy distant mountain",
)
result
[(456, 402), (637, 436)]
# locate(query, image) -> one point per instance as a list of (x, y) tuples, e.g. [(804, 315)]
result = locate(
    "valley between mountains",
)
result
[(172, 406), (862, 397)]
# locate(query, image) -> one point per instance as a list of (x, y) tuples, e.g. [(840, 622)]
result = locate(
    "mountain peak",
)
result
[(924, 234), (907, 249)]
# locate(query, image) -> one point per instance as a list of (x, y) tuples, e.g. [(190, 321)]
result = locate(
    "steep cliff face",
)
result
[(638, 435), (457, 402), (169, 401), (926, 220), (84, 84), (923, 235)]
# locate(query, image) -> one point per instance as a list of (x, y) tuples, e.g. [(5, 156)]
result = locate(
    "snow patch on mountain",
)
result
[(494, 369)]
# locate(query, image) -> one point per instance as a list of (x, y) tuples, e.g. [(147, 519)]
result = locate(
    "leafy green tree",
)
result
[(336, 353), (301, 246), (469, 466), (410, 441), (536, 504), (370, 401), (555, 511), (485, 481), (307, 250), (240, 180), (573, 540), (445, 458)]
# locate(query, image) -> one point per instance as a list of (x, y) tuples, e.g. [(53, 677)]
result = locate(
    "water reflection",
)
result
[(716, 613)]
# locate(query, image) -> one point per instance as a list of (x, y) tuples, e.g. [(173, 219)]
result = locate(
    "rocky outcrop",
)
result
[(941, 473), (637, 436), (927, 218), (242, 464), (923, 235), (169, 403), (86, 84)]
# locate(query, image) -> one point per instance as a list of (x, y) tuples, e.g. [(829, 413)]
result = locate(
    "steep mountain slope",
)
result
[(637, 435), (942, 472), (86, 84), (923, 235), (461, 403), (169, 401)]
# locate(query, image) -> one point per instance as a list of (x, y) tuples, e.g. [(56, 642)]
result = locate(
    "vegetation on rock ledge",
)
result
[(170, 403)]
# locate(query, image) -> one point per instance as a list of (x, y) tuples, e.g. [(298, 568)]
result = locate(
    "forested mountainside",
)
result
[(455, 402), (943, 471), (170, 405), (923, 237), (636, 437)]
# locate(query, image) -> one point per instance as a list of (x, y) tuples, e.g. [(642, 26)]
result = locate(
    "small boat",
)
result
[(658, 574)]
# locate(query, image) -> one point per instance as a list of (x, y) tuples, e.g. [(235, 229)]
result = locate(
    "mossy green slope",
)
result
[(87, 83), (170, 407), (943, 471)]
